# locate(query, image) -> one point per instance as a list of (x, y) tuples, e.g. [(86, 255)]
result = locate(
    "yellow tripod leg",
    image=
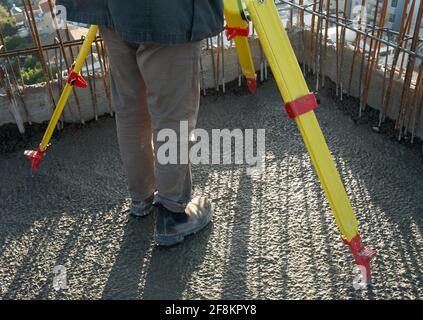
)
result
[(238, 29), (293, 88), (74, 79)]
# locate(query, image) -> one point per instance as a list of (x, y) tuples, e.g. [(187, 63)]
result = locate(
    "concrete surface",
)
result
[(272, 237), (376, 90)]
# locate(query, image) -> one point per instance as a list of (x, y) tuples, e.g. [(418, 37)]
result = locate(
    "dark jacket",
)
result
[(161, 21)]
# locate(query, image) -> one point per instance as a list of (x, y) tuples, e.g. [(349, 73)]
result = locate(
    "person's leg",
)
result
[(132, 119), (171, 74)]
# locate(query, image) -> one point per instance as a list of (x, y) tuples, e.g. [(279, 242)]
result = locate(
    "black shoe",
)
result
[(173, 227)]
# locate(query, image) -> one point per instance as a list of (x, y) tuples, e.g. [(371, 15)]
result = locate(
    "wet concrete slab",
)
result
[(273, 236)]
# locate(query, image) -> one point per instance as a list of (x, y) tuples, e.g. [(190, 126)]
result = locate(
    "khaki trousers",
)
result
[(153, 87)]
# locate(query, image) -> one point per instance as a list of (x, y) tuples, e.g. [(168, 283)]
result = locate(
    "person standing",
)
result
[(154, 53)]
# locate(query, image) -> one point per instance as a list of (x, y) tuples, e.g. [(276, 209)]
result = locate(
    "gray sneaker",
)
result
[(173, 227), (142, 208)]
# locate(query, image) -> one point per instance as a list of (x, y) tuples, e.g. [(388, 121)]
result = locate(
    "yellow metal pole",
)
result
[(292, 86), (238, 29), (36, 156), (92, 33)]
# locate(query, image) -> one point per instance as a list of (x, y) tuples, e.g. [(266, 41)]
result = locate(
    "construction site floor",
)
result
[(273, 236)]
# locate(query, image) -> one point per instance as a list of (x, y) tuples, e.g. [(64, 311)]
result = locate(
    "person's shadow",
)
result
[(144, 271)]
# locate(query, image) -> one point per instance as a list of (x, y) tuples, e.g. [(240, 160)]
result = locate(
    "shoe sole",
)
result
[(167, 241)]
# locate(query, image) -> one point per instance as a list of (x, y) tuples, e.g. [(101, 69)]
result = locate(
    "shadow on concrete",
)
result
[(283, 239), (234, 277), (124, 279), (169, 269), (389, 201)]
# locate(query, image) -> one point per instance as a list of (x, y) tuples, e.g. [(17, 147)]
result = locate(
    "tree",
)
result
[(7, 23), (33, 76), (17, 42), (32, 67), (4, 13), (4, 3)]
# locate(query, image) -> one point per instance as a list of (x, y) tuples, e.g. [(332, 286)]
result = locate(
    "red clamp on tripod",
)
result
[(362, 255), (36, 157), (233, 32), (75, 79), (301, 105)]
